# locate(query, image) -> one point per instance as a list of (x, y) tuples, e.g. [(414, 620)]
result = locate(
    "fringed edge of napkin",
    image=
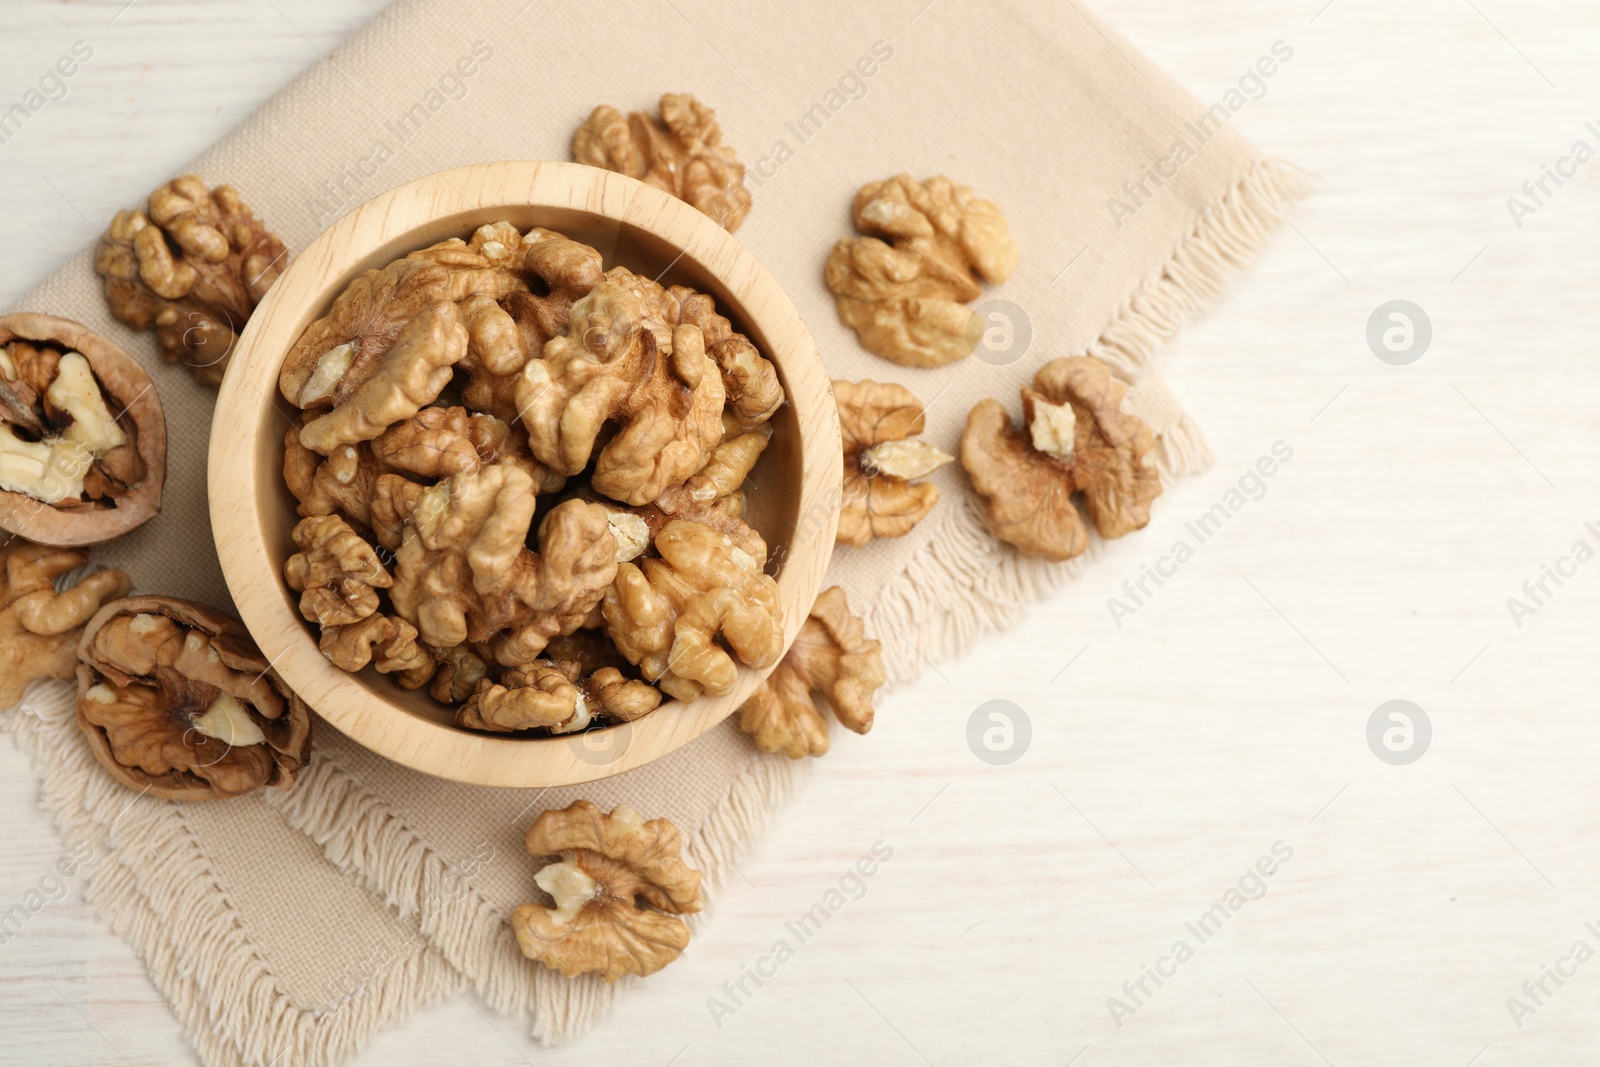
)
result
[(362, 836), (155, 887), (964, 584)]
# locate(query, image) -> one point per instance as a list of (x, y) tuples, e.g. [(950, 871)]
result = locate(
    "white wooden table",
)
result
[(1227, 714)]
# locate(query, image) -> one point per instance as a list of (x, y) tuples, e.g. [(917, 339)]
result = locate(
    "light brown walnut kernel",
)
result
[(831, 658), (336, 573), (39, 627), (387, 643), (394, 498), (460, 670), (680, 153), (618, 885), (621, 362), (193, 269), (879, 422), (486, 264), (462, 571), (538, 695), (177, 701), (714, 495), (749, 380), (665, 614), (409, 376), (905, 286), (343, 482), (345, 347), (1077, 439), (565, 270), (439, 442)]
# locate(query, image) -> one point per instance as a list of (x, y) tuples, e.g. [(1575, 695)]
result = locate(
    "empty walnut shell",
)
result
[(131, 400), (177, 701)]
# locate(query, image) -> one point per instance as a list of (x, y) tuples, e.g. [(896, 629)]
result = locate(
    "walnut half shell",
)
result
[(618, 888), (83, 441), (177, 701)]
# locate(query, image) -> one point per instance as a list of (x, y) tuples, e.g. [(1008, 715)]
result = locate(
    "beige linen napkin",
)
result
[(1039, 107)]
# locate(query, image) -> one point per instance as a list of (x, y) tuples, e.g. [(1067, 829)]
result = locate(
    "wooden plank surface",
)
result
[(1227, 713)]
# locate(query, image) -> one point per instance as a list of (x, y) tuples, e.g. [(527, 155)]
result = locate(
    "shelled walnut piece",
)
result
[(665, 614), (193, 269), (621, 361), (177, 701), (618, 885), (679, 153), (556, 695), (904, 287), (831, 658), (445, 400), (882, 458), (1077, 438), (39, 627), (82, 436)]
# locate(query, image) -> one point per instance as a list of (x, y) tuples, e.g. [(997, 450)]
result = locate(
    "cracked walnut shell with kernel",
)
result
[(177, 701)]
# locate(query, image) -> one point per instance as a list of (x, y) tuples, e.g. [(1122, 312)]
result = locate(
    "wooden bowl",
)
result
[(793, 492)]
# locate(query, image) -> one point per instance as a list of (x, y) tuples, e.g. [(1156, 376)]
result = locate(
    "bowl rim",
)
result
[(244, 414)]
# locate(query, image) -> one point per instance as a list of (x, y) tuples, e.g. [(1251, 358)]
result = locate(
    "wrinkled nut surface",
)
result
[(177, 701), (336, 573), (665, 614), (411, 374), (618, 885), (556, 695), (831, 658), (904, 287), (39, 627), (681, 153), (192, 268), (463, 571), (83, 441), (1077, 439), (749, 380), (446, 399), (882, 458), (622, 362)]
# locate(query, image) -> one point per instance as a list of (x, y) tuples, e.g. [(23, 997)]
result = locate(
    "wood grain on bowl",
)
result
[(792, 496)]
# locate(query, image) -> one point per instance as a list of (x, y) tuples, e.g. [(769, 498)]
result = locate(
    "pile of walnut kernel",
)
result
[(519, 476)]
